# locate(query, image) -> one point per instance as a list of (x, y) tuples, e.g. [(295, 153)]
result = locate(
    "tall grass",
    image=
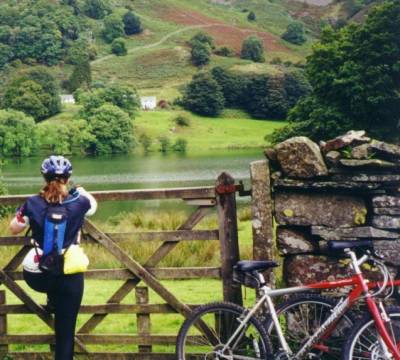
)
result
[(187, 253)]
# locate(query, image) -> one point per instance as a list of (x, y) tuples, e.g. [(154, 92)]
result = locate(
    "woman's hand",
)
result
[(19, 223)]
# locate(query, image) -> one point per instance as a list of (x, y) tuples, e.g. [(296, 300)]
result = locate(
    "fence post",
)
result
[(3, 324), (143, 320), (228, 235), (261, 207)]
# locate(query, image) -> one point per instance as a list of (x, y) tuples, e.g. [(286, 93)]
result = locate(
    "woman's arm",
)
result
[(92, 200)]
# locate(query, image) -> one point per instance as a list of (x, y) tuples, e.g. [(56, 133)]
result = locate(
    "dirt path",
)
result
[(157, 43)]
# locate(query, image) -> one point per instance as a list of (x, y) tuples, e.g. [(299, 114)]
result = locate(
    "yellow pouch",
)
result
[(75, 260)]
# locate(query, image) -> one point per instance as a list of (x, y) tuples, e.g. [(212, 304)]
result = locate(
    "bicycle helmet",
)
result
[(56, 167)]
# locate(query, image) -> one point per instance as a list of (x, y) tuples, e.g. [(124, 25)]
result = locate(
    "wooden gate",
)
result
[(220, 198)]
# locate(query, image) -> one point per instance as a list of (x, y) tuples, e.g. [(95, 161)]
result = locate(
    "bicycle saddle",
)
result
[(339, 245), (252, 265)]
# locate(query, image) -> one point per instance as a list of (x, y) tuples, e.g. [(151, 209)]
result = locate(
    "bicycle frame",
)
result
[(360, 289)]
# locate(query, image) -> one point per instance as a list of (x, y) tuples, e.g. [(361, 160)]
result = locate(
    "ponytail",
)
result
[(55, 191)]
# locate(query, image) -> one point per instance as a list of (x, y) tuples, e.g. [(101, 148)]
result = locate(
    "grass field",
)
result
[(234, 129)]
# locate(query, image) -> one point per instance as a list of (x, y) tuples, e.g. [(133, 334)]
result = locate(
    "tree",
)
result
[(34, 92), (203, 95), (112, 129), (204, 38), (253, 49), (355, 75), (125, 98), (96, 9), (79, 52), (295, 33), (6, 54), (132, 23), (251, 16), (113, 27), (81, 76), (233, 86), (200, 53), (17, 134), (118, 47)]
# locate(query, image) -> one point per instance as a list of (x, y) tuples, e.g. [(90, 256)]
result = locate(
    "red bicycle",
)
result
[(307, 326)]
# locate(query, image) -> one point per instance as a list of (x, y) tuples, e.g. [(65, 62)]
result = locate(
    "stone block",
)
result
[(294, 241), (360, 232), (319, 209), (350, 138), (386, 222), (299, 157), (385, 201), (389, 151), (306, 269), (390, 250), (371, 164)]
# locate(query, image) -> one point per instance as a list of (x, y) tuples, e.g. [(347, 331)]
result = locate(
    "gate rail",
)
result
[(221, 197)]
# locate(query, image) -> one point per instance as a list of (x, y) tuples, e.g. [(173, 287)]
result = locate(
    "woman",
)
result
[(64, 291)]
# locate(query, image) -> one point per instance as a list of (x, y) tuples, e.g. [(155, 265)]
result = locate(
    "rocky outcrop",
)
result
[(299, 157)]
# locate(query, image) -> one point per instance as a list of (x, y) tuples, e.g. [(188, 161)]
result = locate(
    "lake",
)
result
[(155, 170)]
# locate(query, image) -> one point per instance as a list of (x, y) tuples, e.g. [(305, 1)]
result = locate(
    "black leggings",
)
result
[(65, 294)]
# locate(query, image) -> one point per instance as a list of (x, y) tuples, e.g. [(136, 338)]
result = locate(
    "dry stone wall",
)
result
[(347, 188)]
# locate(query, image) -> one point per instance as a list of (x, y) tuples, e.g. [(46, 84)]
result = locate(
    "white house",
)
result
[(148, 102), (67, 99)]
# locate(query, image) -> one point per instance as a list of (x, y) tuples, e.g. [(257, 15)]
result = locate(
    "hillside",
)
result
[(158, 63)]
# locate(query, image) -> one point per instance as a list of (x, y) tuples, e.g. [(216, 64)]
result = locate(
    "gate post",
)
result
[(3, 324), (261, 207), (228, 235)]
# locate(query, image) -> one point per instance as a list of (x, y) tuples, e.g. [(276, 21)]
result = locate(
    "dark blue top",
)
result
[(35, 209)]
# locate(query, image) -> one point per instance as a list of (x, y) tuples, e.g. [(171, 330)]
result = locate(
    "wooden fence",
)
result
[(221, 197)]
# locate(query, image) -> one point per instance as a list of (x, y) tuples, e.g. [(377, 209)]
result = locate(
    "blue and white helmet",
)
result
[(56, 166)]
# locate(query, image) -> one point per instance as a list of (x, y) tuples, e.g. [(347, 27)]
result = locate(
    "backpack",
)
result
[(55, 224)]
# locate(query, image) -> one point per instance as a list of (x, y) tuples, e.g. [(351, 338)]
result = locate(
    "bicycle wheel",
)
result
[(363, 340), (301, 316), (209, 334)]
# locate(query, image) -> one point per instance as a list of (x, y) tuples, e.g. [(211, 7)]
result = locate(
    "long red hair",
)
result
[(55, 191)]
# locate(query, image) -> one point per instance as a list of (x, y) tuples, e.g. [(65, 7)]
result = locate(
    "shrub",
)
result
[(132, 23), (200, 53), (295, 33), (113, 28), (17, 134), (96, 9), (225, 51), (253, 49), (180, 145), (165, 144), (145, 141), (118, 47), (251, 16), (203, 38), (182, 121)]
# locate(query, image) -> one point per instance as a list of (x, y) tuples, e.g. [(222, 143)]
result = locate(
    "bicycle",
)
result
[(228, 331)]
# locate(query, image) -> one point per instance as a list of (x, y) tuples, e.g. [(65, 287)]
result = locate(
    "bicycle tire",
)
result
[(369, 347), (297, 330), (222, 318)]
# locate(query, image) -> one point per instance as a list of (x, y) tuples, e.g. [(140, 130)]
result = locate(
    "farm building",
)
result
[(67, 99), (148, 102)]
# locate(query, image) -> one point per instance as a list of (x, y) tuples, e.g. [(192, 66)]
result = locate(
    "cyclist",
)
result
[(64, 291)]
